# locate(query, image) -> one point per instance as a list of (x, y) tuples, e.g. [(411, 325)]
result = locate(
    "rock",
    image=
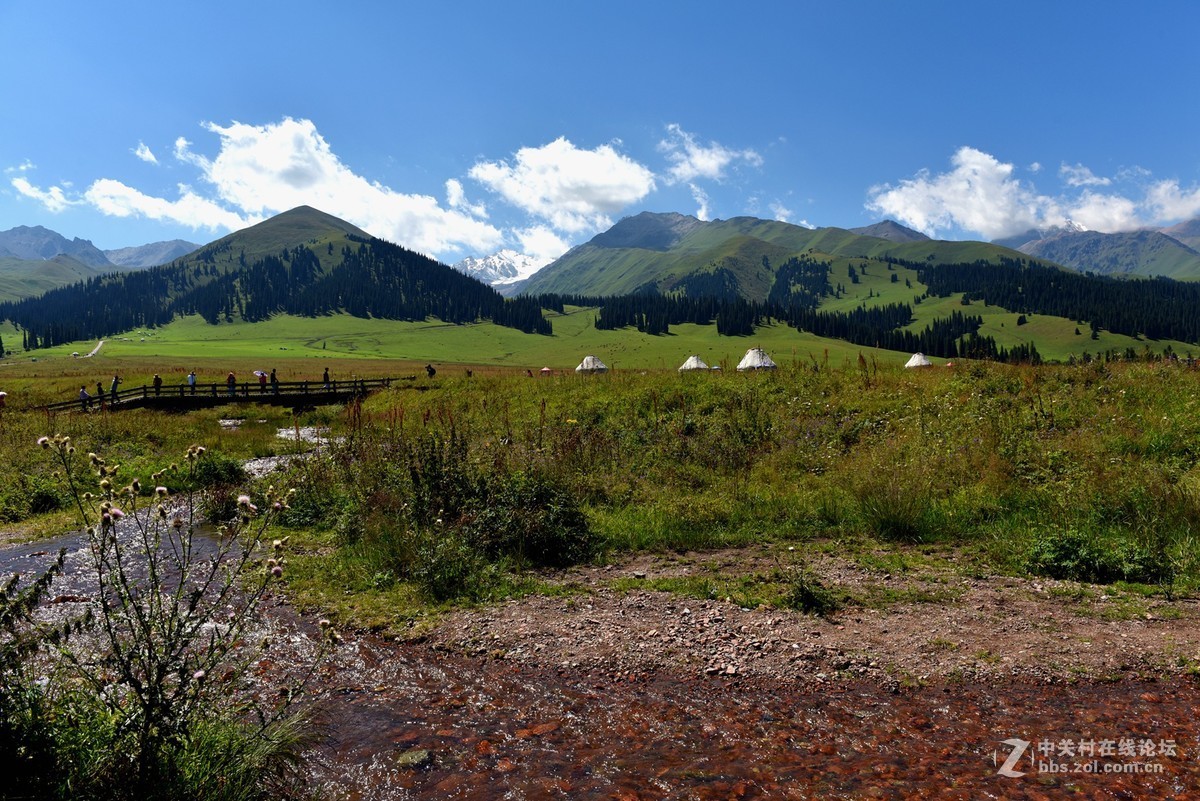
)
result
[(414, 759)]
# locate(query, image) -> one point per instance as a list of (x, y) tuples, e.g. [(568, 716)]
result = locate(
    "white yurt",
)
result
[(756, 359), (919, 360), (693, 363), (591, 364)]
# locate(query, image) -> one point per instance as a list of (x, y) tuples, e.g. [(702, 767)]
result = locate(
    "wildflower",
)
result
[(177, 523), (160, 492), (116, 513), (324, 623), (198, 675), (136, 485), (277, 545), (105, 484), (277, 571), (243, 500), (277, 506), (44, 442)]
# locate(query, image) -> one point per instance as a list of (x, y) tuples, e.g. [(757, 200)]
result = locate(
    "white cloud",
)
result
[(978, 194), (456, 198), (1080, 175), (145, 153), (24, 166), (54, 198), (541, 244), (572, 189), (1035, 167), (266, 169), (118, 200), (1169, 202), (701, 198), (691, 160), (1108, 213), (781, 212)]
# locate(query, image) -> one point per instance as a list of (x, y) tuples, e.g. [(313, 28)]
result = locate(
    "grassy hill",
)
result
[(26, 278), (658, 250)]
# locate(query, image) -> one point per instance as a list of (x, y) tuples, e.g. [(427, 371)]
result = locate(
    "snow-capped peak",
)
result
[(499, 269)]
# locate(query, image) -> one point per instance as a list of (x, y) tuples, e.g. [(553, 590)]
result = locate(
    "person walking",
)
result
[(192, 381), (274, 382), (325, 379), (85, 400), (157, 384), (262, 381), (116, 380), (231, 382)]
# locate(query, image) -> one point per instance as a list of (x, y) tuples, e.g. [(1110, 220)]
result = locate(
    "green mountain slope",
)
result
[(24, 278), (302, 262), (1144, 253), (662, 251)]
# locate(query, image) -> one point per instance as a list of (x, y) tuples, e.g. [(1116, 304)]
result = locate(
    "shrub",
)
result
[(137, 710), (533, 519), (1080, 556), (804, 592)]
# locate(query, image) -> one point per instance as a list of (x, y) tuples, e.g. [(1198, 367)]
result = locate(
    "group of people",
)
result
[(86, 399), (265, 381)]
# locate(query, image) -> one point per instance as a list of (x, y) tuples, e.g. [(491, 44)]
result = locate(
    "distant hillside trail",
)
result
[(95, 350)]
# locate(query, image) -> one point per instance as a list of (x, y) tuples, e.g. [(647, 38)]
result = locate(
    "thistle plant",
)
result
[(175, 612)]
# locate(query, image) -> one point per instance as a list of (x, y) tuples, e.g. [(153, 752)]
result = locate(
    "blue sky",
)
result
[(462, 129)]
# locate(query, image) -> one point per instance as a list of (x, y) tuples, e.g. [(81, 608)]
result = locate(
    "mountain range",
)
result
[(879, 286), (674, 253), (34, 260)]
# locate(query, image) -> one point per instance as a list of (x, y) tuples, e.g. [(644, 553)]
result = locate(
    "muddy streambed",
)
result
[(493, 729), (413, 720)]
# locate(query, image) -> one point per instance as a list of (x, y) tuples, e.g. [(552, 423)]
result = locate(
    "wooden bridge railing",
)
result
[(281, 392)]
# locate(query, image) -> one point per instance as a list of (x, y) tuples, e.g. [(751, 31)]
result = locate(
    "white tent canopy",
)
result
[(693, 363), (756, 359), (919, 360), (591, 364)]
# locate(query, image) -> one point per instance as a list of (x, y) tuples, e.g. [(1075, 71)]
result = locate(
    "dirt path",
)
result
[(959, 628), (637, 694)]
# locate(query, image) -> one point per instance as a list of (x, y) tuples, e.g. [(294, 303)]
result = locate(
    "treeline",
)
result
[(1157, 308), (373, 279), (800, 285)]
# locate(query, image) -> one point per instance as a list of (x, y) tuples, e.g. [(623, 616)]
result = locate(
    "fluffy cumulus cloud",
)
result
[(981, 195), (978, 194), (571, 189), (260, 170), (1169, 201), (541, 244), (691, 160), (266, 169)]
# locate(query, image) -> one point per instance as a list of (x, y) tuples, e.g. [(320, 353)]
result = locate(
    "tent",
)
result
[(756, 359), (545, 371), (693, 363), (919, 360), (591, 364)]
